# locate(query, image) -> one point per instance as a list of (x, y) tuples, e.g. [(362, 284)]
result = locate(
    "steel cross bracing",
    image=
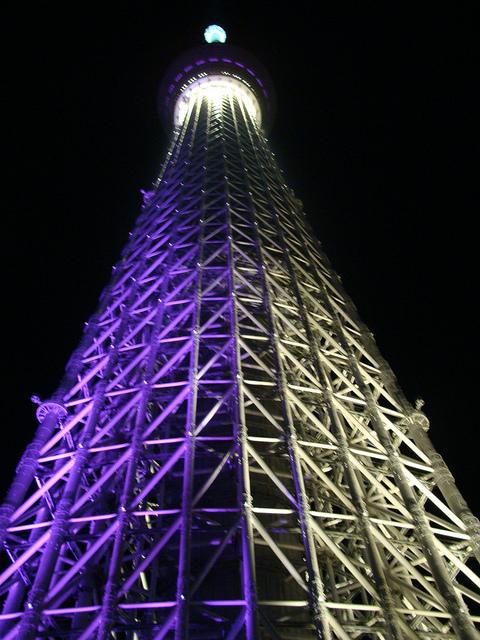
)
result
[(228, 455)]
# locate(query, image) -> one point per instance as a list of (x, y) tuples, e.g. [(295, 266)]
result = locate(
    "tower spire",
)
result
[(215, 33), (229, 455)]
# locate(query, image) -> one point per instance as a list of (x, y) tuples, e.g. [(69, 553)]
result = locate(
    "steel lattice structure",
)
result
[(228, 455)]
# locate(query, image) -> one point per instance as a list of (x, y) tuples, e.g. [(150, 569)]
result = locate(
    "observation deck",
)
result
[(216, 68)]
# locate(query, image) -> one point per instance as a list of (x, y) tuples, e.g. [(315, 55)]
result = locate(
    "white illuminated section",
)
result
[(215, 89)]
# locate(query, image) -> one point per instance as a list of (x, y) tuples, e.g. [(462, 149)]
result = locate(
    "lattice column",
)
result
[(229, 455)]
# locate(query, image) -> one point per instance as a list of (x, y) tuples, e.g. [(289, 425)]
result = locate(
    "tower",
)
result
[(228, 455)]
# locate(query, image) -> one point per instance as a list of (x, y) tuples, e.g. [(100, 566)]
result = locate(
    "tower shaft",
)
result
[(229, 456)]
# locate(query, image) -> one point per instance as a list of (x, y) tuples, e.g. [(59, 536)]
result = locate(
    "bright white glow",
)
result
[(215, 89)]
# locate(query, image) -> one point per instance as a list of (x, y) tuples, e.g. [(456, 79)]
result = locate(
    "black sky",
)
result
[(375, 133)]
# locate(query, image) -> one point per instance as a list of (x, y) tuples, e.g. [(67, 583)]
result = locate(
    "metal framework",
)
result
[(229, 456)]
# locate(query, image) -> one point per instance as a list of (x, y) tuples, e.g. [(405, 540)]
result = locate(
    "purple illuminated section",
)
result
[(189, 370)]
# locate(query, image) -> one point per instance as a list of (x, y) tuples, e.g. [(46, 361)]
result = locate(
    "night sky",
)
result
[(374, 131)]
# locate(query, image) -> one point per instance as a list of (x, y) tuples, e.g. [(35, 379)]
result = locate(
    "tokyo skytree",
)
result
[(228, 454)]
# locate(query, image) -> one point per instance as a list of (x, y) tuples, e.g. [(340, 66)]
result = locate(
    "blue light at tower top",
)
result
[(214, 33)]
